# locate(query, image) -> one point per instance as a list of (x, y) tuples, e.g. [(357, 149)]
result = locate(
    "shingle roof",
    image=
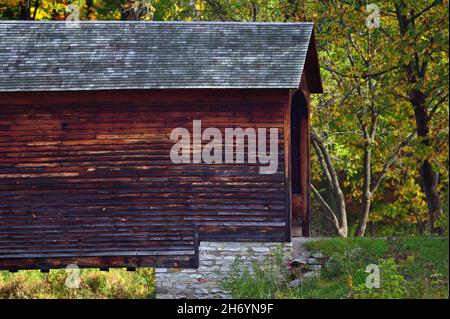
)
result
[(49, 56)]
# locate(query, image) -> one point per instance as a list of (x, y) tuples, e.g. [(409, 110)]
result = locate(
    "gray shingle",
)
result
[(49, 56)]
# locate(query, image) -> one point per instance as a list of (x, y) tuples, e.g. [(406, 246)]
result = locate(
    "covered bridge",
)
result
[(86, 118)]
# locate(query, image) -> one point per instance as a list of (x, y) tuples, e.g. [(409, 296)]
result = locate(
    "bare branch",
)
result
[(334, 71), (418, 14), (376, 74), (325, 205), (391, 161), (436, 106), (330, 169), (322, 162)]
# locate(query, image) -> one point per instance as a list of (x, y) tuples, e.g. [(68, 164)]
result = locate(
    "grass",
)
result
[(415, 267), (93, 284)]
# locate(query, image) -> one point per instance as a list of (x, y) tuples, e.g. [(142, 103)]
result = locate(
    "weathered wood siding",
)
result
[(87, 178)]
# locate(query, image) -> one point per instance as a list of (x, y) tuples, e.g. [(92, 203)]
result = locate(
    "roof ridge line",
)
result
[(155, 22)]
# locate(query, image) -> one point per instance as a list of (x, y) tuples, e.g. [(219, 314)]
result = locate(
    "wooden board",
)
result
[(86, 178)]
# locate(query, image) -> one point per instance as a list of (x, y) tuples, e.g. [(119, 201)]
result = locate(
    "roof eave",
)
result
[(311, 68)]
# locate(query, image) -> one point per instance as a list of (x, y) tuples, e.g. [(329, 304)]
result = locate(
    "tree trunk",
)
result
[(363, 217), (36, 7), (90, 10), (24, 8), (416, 72), (366, 200), (428, 178), (340, 217)]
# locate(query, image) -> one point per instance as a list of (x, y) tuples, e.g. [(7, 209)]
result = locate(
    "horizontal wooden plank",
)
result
[(182, 261)]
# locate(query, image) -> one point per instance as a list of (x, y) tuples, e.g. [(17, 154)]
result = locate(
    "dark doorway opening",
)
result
[(300, 165)]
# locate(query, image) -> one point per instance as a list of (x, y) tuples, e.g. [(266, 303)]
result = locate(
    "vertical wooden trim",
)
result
[(287, 164), (306, 157), (306, 167)]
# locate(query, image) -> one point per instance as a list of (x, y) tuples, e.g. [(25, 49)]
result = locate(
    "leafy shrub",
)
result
[(392, 284), (409, 268)]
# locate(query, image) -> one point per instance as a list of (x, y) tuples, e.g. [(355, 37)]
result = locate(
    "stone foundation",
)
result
[(215, 260)]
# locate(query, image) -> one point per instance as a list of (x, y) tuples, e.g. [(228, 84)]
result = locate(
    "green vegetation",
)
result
[(414, 267), (94, 284)]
